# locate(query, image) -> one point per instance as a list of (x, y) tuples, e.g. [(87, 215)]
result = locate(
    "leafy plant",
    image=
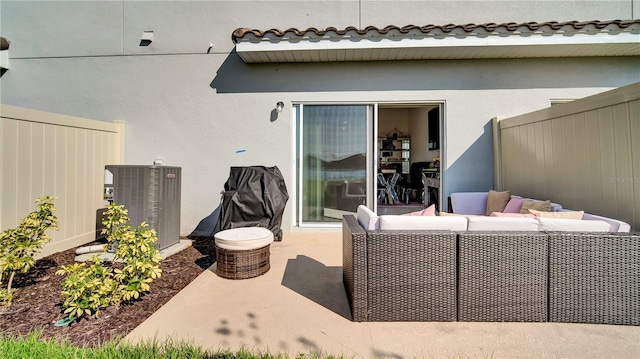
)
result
[(136, 249), (88, 289), (19, 245)]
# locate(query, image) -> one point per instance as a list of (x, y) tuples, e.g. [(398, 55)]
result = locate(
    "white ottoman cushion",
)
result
[(244, 238)]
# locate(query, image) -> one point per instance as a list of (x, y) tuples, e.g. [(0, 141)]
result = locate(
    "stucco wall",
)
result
[(196, 107), (419, 128)]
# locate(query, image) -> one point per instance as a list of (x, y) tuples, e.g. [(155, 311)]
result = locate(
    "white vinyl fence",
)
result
[(50, 154), (584, 154)]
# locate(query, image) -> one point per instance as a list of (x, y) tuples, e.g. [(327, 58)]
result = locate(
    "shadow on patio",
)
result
[(317, 282)]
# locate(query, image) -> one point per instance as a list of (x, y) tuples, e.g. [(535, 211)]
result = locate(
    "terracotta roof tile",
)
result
[(426, 29)]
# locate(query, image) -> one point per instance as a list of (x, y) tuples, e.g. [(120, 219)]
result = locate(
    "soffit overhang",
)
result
[(468, 41)]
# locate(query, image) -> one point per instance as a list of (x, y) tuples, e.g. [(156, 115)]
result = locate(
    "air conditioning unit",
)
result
[(151, 194)]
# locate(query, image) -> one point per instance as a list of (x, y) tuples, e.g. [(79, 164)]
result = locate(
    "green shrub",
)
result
[(136, 248), (19, 245), (86, 290)]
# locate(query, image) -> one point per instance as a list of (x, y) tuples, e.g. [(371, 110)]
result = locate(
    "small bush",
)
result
[(18, 246), (86, 290)]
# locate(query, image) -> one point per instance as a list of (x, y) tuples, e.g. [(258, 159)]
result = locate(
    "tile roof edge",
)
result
[(447, 28)]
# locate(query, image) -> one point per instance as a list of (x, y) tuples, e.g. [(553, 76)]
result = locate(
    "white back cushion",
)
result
[(367, 219), (436, 223), (503, 224), (614, 224), (572, 225)]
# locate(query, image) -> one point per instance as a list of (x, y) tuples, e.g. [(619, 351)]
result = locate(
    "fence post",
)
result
[(497, 154)]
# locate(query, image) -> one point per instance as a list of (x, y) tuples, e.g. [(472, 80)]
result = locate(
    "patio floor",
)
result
[(300, 306)]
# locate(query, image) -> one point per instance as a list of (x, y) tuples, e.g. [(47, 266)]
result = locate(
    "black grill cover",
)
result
[(254, 196)]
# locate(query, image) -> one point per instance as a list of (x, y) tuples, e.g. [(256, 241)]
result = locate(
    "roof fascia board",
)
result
[(447, 42)]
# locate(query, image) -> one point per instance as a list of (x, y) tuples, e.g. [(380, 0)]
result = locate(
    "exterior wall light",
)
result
[(279, 106), (147, 38)]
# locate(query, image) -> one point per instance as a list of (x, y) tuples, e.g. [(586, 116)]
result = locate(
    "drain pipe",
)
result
[(90, 249)]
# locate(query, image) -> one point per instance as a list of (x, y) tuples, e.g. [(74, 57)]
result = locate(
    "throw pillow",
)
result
[(527, 204), (444, 214), (514, 205), (513, 215), (563, 214), (429, 211), (497, 201)]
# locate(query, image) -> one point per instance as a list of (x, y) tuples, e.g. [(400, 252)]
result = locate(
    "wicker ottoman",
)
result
[(243, 253)]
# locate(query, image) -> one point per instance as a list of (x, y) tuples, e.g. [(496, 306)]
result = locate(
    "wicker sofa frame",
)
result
[(491, 276)]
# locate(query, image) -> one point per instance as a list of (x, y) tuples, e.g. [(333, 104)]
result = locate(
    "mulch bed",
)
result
[(37, 303)]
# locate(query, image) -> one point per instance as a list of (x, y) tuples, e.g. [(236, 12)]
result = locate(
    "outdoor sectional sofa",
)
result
[(475, 204), (445, 271)]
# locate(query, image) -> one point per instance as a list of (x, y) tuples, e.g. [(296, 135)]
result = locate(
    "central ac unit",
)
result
[(151, 194)]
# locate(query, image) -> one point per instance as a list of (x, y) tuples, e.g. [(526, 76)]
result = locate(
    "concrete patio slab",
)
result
[(300, 306)]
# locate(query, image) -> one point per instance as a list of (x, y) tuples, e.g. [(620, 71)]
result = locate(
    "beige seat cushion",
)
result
[(482, 223), (431, 223), (572, 225), (244, 238)]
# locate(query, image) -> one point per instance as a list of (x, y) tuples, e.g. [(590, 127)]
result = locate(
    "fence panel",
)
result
[(583, 154), (51, 154)]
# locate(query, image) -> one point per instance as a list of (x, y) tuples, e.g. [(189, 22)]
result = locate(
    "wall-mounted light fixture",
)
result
[(4, 55), (147, 38), (279, 106)]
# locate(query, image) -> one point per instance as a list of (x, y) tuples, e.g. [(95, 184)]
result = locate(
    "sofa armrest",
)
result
[(615, 225), (354, 266)]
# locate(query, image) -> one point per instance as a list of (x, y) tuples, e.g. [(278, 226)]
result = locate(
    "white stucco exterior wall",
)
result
[(196, 107)]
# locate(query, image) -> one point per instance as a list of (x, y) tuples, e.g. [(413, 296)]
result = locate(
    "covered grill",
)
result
[(254, 196)]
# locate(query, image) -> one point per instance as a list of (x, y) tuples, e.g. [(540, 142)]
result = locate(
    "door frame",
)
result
[(372, 152)]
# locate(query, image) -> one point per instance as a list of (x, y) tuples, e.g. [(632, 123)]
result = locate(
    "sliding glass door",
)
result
[(332, 160)]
